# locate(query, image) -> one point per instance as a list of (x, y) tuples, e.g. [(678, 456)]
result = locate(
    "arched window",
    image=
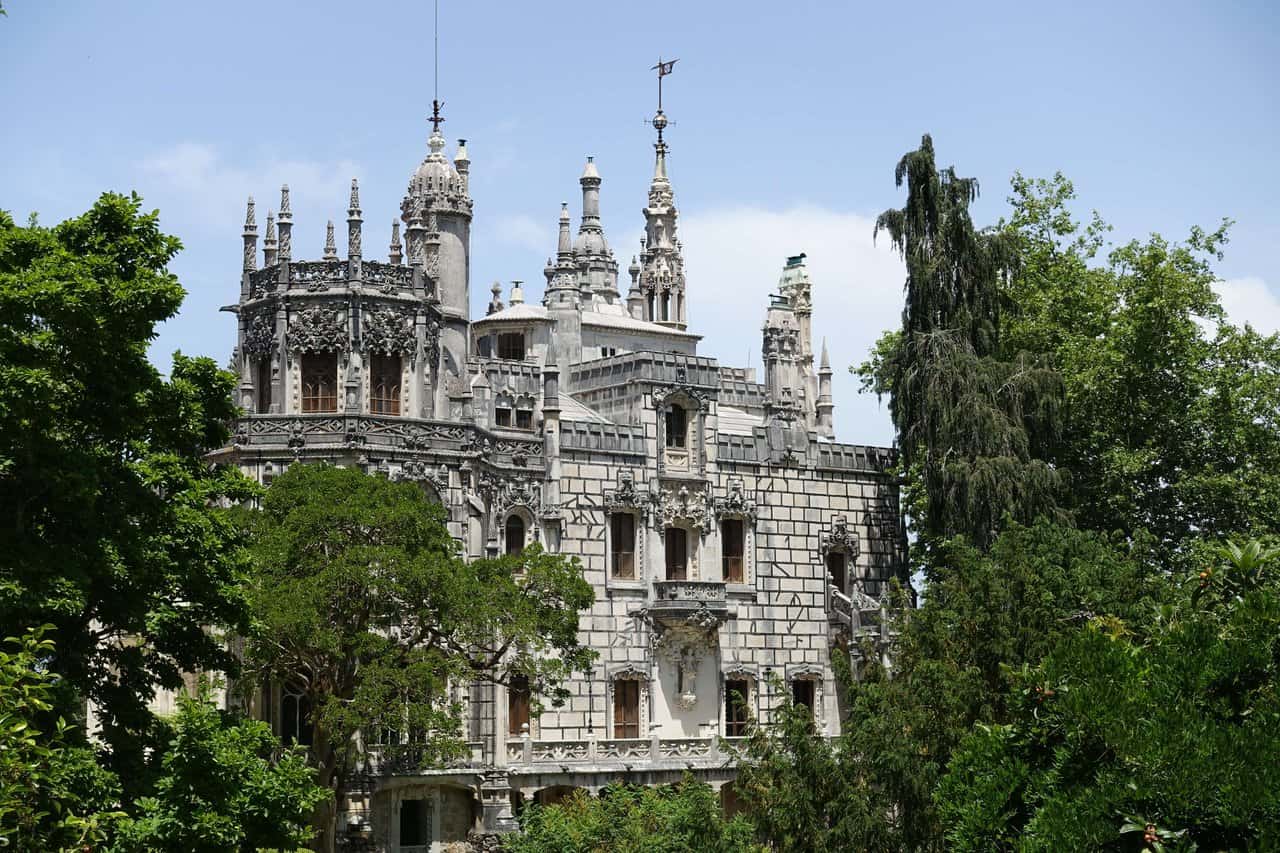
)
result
[(666, 306), (319, 382), (384, 385), (295, 715), (514, 534)]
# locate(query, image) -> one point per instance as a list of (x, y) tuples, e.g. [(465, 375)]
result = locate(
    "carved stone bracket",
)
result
[(736, 503), (522, 493), (684, 503), (421, 471), (626, 498), (841, 537), (318, 329)]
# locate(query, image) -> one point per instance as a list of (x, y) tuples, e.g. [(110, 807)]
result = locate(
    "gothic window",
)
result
[(666, 306), (803, 692), (836, 568), (677, 426), (518, 696), (295, 716), (262, 385), (677, 548), (732, 548), (626, 708), (622, 540), (524, 418), (511, 346), (514, 534), (737, 696), (651, 317), (502, 417), (384, 389), (319, 382)]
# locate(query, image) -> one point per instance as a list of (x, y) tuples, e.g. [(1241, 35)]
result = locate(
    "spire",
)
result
[(825, 365), (330, 248), (354, 222), (285, 220), (396, 257), (662, 284), (564, 246), (269, 242), (597, 269), (250, 238), (825, 408)]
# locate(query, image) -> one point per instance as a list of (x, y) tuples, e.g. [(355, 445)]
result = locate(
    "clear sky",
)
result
[(789, 118)]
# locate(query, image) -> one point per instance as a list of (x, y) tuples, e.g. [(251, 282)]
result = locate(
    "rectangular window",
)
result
[(677, 426), (736, 694), (511, 346), (626, 708), (622, 530), (319, 382), (677, 542), (502, 417), (732, 548), (262, 383), (384, 388), (802, 691), (524, 419), (484, 346), (836, 570), (518, 704)]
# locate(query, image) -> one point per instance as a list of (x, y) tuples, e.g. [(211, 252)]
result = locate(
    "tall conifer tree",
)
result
[(972, 428)]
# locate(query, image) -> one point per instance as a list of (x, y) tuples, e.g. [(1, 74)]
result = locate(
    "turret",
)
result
[(597, 269), (563, 299), (826, 406), (662, 266), (794, 285)]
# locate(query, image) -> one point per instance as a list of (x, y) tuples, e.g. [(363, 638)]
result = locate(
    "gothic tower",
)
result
[(661, 263), (436, 211)]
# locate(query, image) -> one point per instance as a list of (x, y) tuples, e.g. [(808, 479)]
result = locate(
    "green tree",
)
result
[(1157, 733), (113, 532), (222, 788), (872, 789), (362, 601), (973, 426), (1172, 415), (681, 818), (51, 789)]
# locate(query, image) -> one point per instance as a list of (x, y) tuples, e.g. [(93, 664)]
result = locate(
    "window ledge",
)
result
[(740, 590)]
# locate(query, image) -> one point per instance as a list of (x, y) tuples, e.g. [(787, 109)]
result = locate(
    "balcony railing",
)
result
[(708, 751)]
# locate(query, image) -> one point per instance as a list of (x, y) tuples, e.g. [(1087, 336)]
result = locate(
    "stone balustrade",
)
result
[(525, 752)]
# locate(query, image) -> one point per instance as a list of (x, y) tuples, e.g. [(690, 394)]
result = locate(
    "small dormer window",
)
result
[(511, 346)]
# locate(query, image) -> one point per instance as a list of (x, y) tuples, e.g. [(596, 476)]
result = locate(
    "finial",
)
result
[(396, 256), (354, 206), (248, 215), (517, 294), (495, 304), (330, 249), (285, 212), (436, 119), (826, 362), (269, 242), (250, 239)]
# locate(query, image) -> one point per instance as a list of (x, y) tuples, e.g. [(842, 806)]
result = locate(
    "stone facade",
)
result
[(734, 547)]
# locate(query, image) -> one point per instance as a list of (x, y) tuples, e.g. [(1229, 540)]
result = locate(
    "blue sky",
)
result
[(789, 120)]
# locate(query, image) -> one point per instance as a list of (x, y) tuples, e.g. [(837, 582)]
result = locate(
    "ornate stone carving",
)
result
[(679, 504), (685, 647), (841, 537), (389, 331), (736, 503), (421, 471), (523, 493), (679, 393), (318, 329), (625, 498), (260, 335)]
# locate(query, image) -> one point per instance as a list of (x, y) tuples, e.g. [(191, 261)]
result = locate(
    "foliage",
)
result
[(361, 600), (681, 818), (50, 786), (1162, 733), (872, 789), (972, 423), (113, 533), (1172, 415), (222, 787)]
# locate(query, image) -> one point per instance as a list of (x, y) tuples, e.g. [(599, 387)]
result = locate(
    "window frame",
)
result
[(317, 402), (686, 568), (737, 715), (615, 552), (514, 518), (504, 348), (726, 557), (632, 688), (519, 706), (384, 367)]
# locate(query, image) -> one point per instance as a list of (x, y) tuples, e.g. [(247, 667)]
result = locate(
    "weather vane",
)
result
[(663, 68), (436, 118)]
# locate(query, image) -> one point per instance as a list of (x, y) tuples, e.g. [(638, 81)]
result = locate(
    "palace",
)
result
[(736, 549)]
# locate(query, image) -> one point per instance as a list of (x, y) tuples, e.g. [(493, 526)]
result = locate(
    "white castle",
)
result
[(732, 544)]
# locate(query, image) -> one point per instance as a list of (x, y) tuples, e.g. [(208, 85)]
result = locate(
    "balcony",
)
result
[(620, 753), (682, 599), (857, 616)]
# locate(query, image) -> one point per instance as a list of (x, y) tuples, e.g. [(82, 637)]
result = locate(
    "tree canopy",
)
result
[(362, 603), (113, 532)]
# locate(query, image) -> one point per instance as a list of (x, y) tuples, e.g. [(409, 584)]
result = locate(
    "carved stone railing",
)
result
[(264, 281), (624, 749), (859, 615), (560, 750), (685, 747), (687, 596), (407, 760), (386, 276), (317, 275)]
